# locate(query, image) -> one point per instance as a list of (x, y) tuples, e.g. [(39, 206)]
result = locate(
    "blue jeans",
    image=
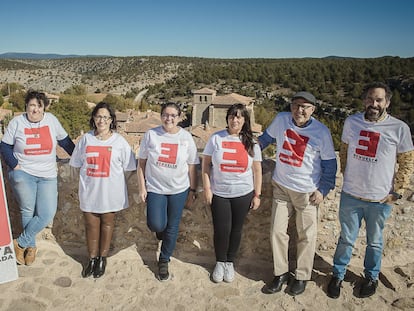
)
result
[(164, 215), (351, 213), (37, 199)]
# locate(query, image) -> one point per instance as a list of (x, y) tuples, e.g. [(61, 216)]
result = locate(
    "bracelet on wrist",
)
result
[(259, 196), (194, 192)]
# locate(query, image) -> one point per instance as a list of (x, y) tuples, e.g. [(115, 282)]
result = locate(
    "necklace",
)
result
[(103, 136)]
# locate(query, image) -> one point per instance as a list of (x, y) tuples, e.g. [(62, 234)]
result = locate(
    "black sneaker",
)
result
[(368, 288), (334, 287), (163, 274)]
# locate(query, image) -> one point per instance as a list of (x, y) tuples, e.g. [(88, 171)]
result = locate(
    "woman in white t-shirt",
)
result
[(167, 179), (102, 156), (232, 181), (29, 150)]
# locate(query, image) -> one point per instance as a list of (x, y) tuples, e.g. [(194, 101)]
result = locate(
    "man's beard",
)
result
[(374, 114)]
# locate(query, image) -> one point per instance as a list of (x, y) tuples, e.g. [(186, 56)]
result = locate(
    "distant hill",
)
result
[(13, 55)]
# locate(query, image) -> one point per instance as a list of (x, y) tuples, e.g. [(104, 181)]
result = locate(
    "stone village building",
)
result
[(210, 108), (209, 113)]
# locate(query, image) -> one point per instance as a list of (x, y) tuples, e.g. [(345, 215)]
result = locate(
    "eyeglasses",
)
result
[(298, 106), (167, 115), (104, 118)]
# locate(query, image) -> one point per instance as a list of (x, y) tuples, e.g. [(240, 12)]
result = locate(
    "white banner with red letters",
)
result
[(8, 265)]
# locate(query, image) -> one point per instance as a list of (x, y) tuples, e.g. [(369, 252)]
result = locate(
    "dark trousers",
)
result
[(228, 219)]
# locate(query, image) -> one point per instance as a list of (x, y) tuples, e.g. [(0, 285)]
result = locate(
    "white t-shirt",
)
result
[(35, 143), (231, 172), (168, 156), (299, 152), (372, 154), (102, 186)]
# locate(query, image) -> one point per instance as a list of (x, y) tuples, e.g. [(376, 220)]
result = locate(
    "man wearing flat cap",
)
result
[(304, 174)]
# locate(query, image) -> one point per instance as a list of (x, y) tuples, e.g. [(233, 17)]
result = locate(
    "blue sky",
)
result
[(217, 29)]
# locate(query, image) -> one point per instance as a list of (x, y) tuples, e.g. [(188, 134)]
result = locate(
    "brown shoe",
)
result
[(30, 255), (19, 251)]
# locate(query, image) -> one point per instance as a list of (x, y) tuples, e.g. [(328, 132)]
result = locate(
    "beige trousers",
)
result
[(287, 204)]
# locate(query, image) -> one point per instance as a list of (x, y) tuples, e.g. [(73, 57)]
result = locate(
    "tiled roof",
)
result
[(141, 125), (204, 90), (204, 134), (231, 99)]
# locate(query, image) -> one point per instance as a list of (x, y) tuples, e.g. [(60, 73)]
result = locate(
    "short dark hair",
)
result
[(171, 104), (39, 96), (377, 85), (111, 112)]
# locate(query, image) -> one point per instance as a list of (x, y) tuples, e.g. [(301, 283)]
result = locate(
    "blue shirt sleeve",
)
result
[(327, 181), (67, 144), (265, 140), (8, 156)]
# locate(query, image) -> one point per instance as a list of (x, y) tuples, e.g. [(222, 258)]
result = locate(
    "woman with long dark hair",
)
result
[(232, 181)]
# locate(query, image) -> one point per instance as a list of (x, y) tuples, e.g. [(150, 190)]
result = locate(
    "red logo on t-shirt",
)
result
[(168, 153), (295, 146), (99, 162), (238, 157), (369, 145), (40, 137)]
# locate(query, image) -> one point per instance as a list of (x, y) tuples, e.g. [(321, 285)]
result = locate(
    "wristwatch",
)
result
[(396, 195)]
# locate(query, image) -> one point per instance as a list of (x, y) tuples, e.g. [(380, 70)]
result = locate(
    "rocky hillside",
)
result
[(104, 74)]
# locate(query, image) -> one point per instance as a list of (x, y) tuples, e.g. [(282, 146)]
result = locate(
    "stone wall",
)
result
[(196, 231)]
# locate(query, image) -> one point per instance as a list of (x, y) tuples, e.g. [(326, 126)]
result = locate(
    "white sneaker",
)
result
[(229, 272), (218, 273)]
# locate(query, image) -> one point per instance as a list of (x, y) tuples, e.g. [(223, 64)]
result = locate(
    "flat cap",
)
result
[(305, 95)]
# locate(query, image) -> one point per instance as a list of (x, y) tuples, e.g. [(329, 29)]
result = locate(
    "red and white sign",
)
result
[(8, 266)]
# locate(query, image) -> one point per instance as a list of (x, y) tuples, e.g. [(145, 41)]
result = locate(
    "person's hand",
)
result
[(208, 196), (255, 203), (143, 195), (192, 196), (316, 198), (389, 199), (17, 167)]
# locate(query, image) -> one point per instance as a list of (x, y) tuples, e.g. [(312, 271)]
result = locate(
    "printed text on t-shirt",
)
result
[(295, 146), (168, 157), (99, 161), (237, 159), (369, 143), (41, 137)]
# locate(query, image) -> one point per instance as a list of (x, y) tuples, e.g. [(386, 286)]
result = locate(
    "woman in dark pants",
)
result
[(232, 180)]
